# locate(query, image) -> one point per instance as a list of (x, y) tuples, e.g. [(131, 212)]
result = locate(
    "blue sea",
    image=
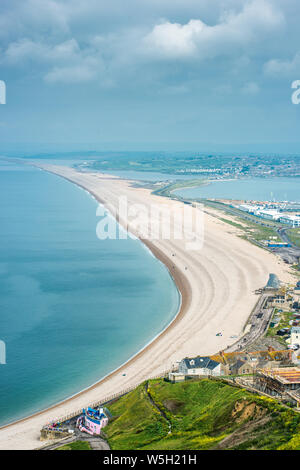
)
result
[(72, 307)]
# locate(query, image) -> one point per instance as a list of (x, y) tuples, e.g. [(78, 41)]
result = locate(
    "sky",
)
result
[(145, 74)]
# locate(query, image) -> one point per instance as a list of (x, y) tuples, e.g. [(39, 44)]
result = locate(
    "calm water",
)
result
[(260, 189), (72, 307)]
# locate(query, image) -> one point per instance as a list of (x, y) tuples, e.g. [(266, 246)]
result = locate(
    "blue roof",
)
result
[(200, 363), (93, 415)]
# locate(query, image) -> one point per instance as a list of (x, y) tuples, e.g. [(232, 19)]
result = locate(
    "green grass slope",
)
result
[(204, 414), (77, 445)]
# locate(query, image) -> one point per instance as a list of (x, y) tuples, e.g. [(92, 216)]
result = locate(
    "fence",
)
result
[(107, 399)]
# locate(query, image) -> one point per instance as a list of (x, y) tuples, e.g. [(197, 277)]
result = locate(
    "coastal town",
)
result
[(264, 361), (245, 340), (214, 166), (262, 301)]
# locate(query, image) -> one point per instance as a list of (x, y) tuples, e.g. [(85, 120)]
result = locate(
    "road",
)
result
[(259, 320)]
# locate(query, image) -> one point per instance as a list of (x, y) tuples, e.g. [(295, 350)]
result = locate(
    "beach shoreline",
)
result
[(182, 287), (183, 291), (216, 286)]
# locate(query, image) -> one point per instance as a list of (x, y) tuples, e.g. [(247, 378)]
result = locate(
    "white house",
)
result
[(295, 335), (199, 366)]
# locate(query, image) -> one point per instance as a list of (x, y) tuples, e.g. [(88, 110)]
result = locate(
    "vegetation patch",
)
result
[(173, 405), (77, 445), (168, 189), (284, 322), (294, 235), (204, 414)]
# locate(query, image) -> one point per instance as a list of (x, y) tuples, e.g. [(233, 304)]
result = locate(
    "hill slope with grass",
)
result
[(204, 414)]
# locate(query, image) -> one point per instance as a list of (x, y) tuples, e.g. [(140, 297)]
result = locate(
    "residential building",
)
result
[(295, 335), (243, 362), (199, 366), (241, 367), (282, 298), (92, 421)]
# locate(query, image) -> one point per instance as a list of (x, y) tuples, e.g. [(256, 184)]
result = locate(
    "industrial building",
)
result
[(292, 220), (249, 208), (271, 214)]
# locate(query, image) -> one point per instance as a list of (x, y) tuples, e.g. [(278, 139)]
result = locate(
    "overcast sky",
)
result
[(146, 73)]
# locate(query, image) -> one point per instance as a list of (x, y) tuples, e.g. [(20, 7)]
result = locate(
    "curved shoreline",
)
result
[(181, 284), (217, 283)]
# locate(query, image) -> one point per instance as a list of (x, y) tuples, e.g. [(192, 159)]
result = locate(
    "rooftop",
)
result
[(267, 355), (285, 376), (290, 217), (270, 211), (200, 362)]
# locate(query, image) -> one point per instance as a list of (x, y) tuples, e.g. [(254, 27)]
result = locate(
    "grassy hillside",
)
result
[(294, 235), (77, 445), (205, 414)]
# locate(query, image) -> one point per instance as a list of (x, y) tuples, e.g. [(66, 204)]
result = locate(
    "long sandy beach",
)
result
[(217, 283)]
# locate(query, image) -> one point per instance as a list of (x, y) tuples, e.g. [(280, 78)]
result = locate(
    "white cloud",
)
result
[(284, 68), (57, 37), (198, 39), (49, 13), (33, 16), (25, 49), (67, 61), (72, 74), (174, 39)]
